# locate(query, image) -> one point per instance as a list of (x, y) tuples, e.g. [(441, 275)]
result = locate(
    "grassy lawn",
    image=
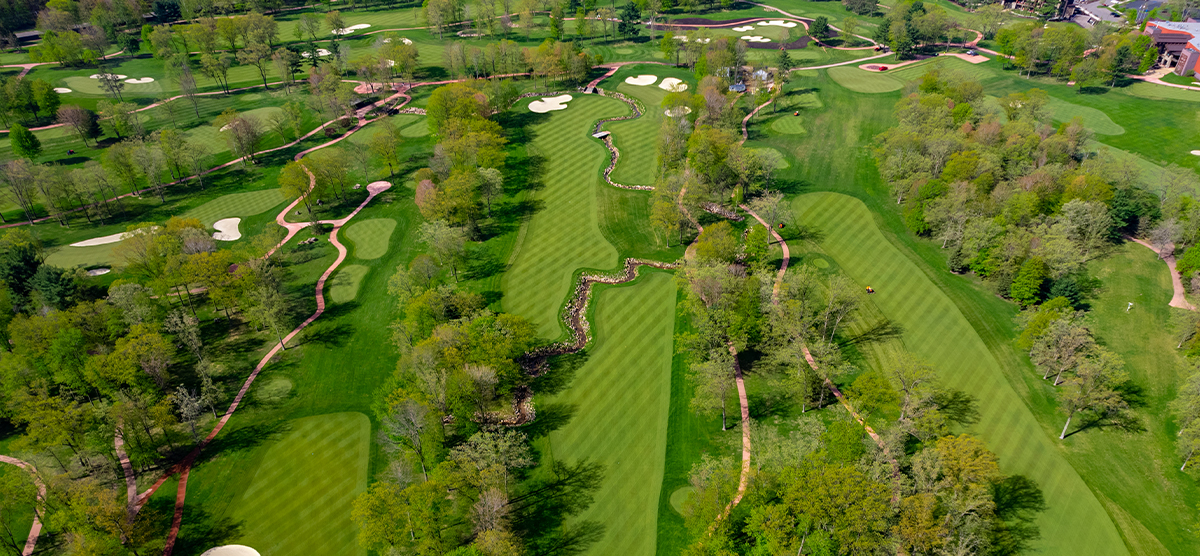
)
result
[(298, 501), (618, 405), (334, 368), (1076, 521), (239, 205), (863, 81), (563, 235), (370, 237), (635, 138)]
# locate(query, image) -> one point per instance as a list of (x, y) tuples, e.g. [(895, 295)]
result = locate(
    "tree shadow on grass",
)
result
[(957, 406), (542, 514), (483, 264), (1123, 420), (559, 373), (201, 530), (883, 331), (242, 438), (329, 335), (1018, 501), (550, 417)]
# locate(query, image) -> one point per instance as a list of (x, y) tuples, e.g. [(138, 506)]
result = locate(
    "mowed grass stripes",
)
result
[(935, 329), (299, 501), (564, 234), (621, 398)]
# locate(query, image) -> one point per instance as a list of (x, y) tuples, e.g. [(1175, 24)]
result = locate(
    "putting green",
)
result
[(343, 287), (371, 237), (788, 125), (565, 234), (299, 500), (96, 255), (618, 418), (862, 81), (936, 330), (236, 205), (680, 497), (783, 161), (1093, 119)]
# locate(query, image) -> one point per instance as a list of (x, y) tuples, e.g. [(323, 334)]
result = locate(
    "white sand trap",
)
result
[(320, 52), (1197, 153), (402, 39), (704, 41), (231, 550), (140, 80), (99, 271), (777, 23), (62, 90), (109, 75), (677, 111), (227, 229), (680, 37), (743, 28), (642, 80), (755, 38), (674, 85), (350, 29), (105, 240), (544, 105)]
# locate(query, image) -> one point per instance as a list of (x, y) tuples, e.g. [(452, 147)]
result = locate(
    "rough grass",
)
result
[(343, 287), (370, 237), (563, 235), (935, 329), (618, 404), (1093, 119), (1139, 472), (862, 81), (299, 500), (239, 205), (20, 519)]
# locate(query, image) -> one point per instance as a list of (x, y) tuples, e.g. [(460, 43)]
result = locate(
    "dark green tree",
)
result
[(24, 142)]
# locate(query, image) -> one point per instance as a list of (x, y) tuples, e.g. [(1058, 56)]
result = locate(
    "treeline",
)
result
[(81, 364), (817, 488), (459, 482), (1089, 58), (562, 62), (909, 24), (1013, 199)]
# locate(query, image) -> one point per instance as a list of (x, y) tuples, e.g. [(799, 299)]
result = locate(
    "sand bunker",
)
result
[(755, 38), (231, 550), (402, 39), (677, 111), (108, 75), (227, 229), (105, 240), (777, 23), (1197, 153), (674, 85), (642, 80), (140, 80), (350, 29), (320, 52), (62, 90), (743, 28), (544, 105), (99, 271)]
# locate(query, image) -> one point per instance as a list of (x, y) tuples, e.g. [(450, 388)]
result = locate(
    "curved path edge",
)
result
[(36, 529), (1179, 299)]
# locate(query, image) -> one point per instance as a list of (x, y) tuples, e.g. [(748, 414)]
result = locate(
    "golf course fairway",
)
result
[(934, 329)]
